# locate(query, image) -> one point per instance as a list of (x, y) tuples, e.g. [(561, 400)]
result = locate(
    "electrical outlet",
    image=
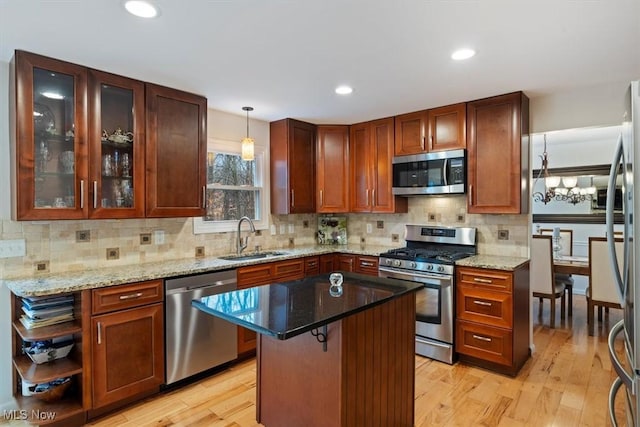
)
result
[(272, 229), (305, 224), (83, 236), (503, 234), (395, 237), (291, 242), (158, 236), (362, 240), (113, 253), (42, 266), (291, 228), (369, 228), (380, 225), (460, 217), (12, 248), (145, 238), (283, 228), (431, 216), (258, 233), (199, 251)]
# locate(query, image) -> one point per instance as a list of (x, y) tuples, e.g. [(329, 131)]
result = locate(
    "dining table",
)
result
[(569, 264)]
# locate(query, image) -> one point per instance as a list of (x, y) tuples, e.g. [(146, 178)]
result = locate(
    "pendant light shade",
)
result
[(247, 142)]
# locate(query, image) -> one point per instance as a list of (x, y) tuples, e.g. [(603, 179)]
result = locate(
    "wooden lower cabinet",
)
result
[(327, 263), (127, 344), (366, 264), (492, 317), (345, 262)]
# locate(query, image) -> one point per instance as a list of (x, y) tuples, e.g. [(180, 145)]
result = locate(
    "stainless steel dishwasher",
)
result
[(196, 341)]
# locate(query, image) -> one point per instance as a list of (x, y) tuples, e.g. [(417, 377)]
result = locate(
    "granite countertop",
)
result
[(57, 283), (495, 262), (284, 310)]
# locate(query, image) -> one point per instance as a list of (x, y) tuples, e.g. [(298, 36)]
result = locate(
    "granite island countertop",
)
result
[(284, 310), (494, 262)]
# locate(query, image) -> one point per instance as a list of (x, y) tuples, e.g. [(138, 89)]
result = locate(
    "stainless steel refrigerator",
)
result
[(628, 279)]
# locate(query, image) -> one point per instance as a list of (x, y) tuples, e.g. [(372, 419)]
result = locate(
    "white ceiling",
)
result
[(285, 57)]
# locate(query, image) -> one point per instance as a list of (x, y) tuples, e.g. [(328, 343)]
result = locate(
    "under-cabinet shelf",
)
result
[(63, 409), (45, 372), (47, 332)]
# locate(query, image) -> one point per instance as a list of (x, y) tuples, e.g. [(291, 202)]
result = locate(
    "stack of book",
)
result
[(46, 311)]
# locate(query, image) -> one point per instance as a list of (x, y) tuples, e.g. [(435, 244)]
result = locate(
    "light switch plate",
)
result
[(12, 248), (158, 236)]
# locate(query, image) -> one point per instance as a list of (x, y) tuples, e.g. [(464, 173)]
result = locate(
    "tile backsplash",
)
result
[(56, 242)]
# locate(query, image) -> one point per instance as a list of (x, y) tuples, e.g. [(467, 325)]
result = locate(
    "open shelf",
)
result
[(50, 413), (47, 332), (34, 373)]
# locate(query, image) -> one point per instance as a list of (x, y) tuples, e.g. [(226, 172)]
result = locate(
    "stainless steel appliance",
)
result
[(429, 259), (440, 172), (195, 341), (628, 280)]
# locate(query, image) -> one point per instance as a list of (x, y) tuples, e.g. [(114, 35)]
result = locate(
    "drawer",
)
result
[(126, 296), (367, 265), (484, 306), (496, 280), (312, 266), (484, 342), (291, 269), (255, 275)]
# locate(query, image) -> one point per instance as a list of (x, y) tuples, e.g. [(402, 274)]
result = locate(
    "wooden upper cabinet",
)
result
[(293, 167), (498, 154), (410, 133), (176, 152), (116, 146), (447, 128), (333, 169), (49, 123), (371, 154), (437, 129)]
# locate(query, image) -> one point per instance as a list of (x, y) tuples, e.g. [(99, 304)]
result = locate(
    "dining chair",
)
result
[(543, 283), (601, 291), (566, 244)]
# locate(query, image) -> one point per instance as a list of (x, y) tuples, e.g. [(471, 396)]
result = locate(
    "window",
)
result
[(235, 188)]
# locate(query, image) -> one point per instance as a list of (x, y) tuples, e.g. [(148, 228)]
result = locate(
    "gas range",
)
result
[(431, 249)]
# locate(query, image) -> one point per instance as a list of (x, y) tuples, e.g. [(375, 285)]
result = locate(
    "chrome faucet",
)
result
[(242, 244)]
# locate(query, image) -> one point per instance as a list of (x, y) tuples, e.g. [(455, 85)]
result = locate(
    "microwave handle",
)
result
[(445, 171)]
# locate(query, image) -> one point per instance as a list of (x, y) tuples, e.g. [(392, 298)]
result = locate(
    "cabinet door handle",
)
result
[(478, 337), (321, 199), (470, 201), (204, 196), (312, 265), (422, 143), (486, 304), (293, 198), (373, 197), (367, 194), (82, 194), (130, 296), (95, 194), (99, 333), (479, 280)]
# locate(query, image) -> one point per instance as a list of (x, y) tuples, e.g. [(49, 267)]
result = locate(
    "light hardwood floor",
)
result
[(565, 383)]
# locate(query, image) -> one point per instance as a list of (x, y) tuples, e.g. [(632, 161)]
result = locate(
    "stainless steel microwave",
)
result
[(440, 172)]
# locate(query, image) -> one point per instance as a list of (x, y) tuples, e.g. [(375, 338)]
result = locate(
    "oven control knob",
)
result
[(388, 261), (397, 263), (412, 264), (440, 268), (429, 267)]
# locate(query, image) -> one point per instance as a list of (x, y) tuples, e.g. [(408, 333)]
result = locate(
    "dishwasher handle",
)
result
[(230, 283)]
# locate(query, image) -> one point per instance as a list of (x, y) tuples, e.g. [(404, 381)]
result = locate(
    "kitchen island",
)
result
[(329, 357)]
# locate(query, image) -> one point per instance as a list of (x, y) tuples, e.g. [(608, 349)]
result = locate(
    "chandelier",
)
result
[(562, 189)]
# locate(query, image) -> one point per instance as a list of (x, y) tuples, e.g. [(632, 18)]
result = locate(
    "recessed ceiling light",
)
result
[(52, 95), (141, 8), (462, 54), (344, 90)]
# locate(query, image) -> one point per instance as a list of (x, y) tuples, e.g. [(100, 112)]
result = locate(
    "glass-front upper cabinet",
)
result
[(116, 134), (50, 138)]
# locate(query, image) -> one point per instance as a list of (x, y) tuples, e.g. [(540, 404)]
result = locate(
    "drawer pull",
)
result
[(486, 304), (366, 264), (312, 265), (99, 333), (480, 280), (130, 296), (478, 337)]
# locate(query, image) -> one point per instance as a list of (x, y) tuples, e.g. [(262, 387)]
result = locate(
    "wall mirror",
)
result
[(578, 175)]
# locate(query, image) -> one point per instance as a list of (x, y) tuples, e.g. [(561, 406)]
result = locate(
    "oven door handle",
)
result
[(413, 276)]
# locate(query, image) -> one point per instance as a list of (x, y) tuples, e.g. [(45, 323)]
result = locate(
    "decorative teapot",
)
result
[(118, 136)]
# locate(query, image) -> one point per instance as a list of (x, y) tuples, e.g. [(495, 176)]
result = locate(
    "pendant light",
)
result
[(247, 142)]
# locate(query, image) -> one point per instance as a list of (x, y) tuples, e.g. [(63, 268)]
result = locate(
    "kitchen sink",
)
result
[(252, 255)]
